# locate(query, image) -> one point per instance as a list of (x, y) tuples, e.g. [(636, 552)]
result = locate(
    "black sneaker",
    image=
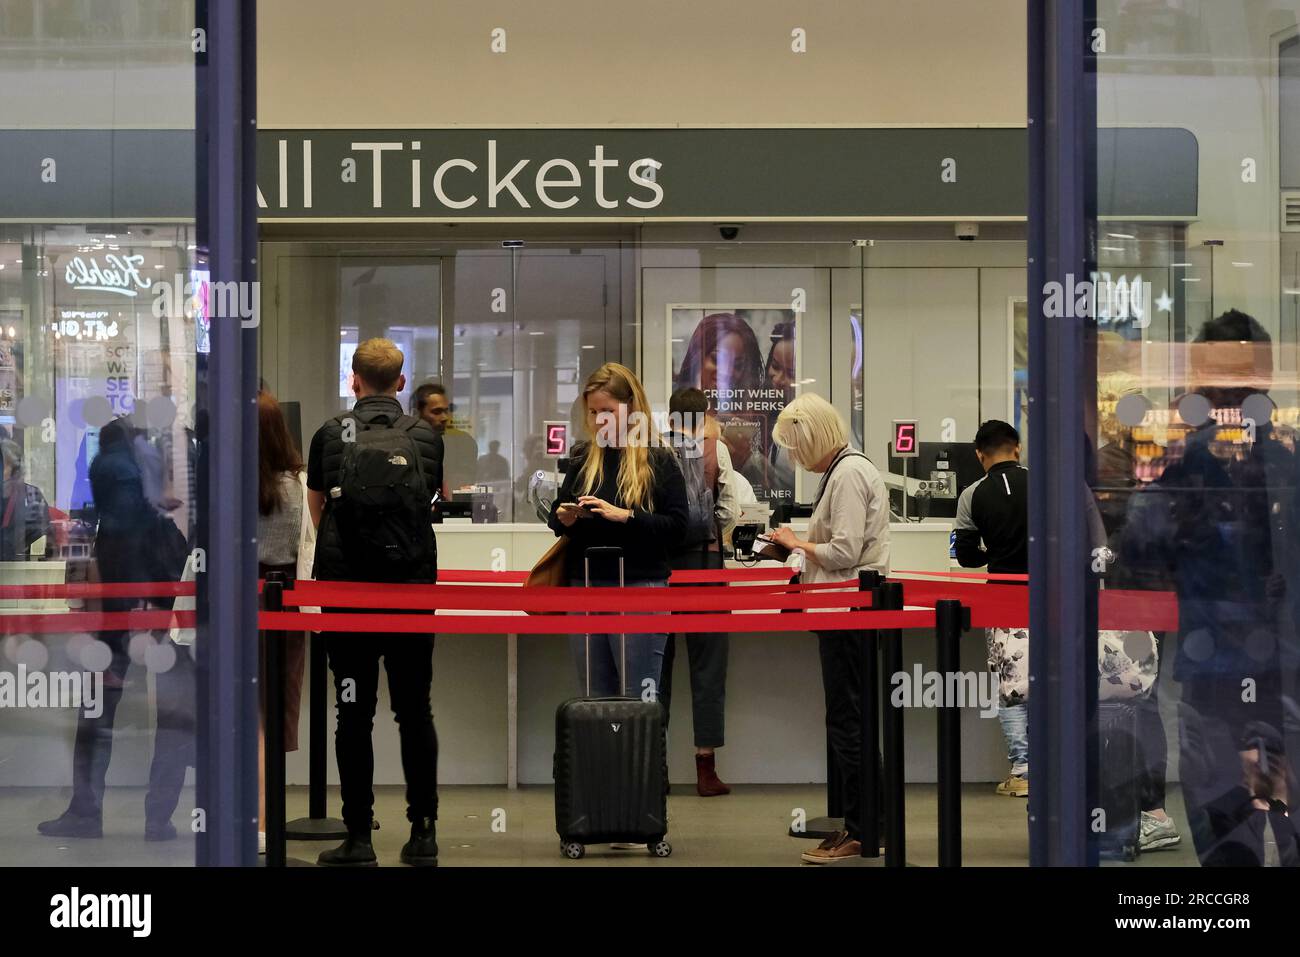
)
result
[(159, 831), (68, 824), (422, 849), (355, 851)]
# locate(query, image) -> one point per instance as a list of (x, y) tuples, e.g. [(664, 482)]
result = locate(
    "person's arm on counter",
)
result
[(970, 553), (849, 496), (727, 507)]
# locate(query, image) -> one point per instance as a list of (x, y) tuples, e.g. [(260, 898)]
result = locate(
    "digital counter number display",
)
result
[(905, 444), (557, 439)]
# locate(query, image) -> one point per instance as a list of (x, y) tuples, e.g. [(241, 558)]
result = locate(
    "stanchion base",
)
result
[(819, 828), (315, 829)]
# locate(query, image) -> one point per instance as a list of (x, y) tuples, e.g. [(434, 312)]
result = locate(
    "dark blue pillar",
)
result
[(227, 660), (1062, 390)]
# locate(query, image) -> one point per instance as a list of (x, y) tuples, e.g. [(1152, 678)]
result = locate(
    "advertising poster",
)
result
[(744, 358), (1018, 334), (855, 377), (9, 373)]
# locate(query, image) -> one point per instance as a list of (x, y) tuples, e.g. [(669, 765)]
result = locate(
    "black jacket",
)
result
[(996, 510), (648, 538), (325, 461)]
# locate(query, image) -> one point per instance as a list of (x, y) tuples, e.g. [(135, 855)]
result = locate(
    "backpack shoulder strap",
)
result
[(406, 422)]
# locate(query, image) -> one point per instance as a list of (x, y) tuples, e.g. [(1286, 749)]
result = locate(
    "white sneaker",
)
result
[(261, 842), (1156, 833)]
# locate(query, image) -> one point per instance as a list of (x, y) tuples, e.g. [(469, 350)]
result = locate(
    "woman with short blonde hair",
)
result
[(847, 533), (810, 428)]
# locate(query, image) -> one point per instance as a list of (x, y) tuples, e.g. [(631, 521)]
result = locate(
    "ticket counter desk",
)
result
[(494, 696)]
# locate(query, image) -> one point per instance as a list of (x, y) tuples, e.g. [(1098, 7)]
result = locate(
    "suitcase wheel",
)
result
[(661, 848), (573, 850)]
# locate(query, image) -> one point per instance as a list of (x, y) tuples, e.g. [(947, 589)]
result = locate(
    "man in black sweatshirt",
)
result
[(995, 511)]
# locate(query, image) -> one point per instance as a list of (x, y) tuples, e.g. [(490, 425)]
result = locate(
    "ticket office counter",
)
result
[(494, 696)]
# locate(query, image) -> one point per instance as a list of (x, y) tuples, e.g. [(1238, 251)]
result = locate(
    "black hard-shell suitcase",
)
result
[(610, 764), (1120, 801)]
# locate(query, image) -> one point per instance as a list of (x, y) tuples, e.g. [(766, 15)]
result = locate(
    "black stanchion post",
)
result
[(273, 726), (868, 772), (834, 779), (891, 642), (317, 826), (950, 619)]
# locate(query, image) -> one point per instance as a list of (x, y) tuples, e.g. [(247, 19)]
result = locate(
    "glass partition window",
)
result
[(1192, 451)]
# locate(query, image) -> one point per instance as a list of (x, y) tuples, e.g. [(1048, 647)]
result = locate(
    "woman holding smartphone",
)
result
[(623, 489), (848, 532)]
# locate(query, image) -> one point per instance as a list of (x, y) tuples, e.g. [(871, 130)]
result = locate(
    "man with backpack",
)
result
[(371, 476), (704, 467)]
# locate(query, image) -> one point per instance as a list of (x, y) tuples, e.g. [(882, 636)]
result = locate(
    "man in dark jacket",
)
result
[(354, 658), (995, 511)]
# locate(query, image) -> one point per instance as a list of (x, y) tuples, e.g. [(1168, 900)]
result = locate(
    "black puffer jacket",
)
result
[(325, 461)]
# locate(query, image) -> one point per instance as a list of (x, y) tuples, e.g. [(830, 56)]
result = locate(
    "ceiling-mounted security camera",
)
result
[(967, 232), (728, 231)]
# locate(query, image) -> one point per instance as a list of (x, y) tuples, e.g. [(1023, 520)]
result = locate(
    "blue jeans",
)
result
[(1015, 728), (645, 656)]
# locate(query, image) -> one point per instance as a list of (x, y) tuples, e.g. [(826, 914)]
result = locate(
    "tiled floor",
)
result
[(746, 829)]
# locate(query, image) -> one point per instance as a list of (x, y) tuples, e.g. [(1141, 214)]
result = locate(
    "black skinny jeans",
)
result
[(842, 683), (408, 660)]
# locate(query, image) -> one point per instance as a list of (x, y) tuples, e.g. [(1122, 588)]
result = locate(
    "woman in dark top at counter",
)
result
[(623, 489)]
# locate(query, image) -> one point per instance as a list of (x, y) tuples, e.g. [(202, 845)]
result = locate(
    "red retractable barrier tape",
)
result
[(79, 621), (595, 624)]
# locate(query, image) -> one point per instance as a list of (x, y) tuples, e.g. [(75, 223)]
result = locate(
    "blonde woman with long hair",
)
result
[(623, 489)]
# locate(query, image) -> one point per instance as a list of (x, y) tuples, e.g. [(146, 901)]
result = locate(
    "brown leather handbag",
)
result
[(549, 571)]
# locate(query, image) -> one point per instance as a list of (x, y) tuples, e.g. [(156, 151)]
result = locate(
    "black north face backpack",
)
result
[(382, 504)]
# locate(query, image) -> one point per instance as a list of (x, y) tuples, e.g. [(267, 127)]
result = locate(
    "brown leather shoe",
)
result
[(837, 847), (707, 782)]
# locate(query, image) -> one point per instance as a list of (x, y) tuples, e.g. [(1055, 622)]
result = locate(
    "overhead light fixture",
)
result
[(1242, 265), (1112, 249), (1119, 236), (1179, 265)]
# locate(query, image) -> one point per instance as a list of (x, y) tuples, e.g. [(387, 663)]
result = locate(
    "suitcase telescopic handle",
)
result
[(605, 551)]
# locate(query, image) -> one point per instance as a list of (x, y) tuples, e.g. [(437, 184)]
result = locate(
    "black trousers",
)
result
[(408, 661), (842, 684), (173, 749), (1153, 748), (707, 655)]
